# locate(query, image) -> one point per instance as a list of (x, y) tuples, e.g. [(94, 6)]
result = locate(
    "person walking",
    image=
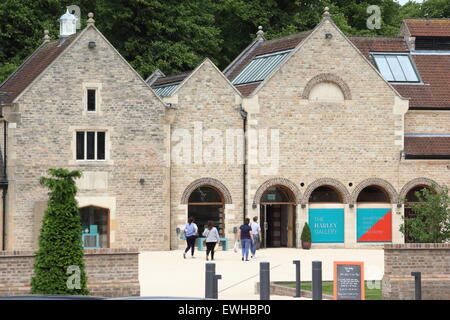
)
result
[(212, 238), (246, 238), (256, 230), (191, 232)]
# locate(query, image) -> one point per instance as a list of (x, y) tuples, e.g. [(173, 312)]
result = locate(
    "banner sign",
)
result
[(374, 225), (348, 281), (327, 225)]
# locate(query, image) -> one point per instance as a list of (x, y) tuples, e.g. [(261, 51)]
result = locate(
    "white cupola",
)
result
[(67, 24)]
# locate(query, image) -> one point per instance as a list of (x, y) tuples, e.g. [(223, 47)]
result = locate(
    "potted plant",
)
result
[(306, 237)]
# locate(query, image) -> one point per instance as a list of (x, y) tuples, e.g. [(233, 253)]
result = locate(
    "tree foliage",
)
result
[(176, 36), (60, 244), (431, 221), (306, 233)]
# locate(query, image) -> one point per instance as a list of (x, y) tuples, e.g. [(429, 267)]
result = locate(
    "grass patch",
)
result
[(371, 293)]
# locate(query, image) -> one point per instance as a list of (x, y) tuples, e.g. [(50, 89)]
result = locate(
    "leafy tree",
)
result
[(176, 36), (431, 223), (60, 254)]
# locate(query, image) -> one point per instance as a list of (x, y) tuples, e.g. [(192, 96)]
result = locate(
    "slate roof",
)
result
[(426, 147), (32, 67), (435, 92), (428, 27)]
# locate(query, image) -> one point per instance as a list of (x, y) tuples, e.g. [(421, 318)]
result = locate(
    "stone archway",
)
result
[(413, 183), (281, 182), (335, 184), (383, 184), (327, 77), (206, 182)]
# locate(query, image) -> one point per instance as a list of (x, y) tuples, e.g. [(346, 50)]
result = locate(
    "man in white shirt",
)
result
[(256, 230)]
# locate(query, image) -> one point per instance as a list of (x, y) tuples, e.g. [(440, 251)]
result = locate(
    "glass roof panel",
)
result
[(260, 67)]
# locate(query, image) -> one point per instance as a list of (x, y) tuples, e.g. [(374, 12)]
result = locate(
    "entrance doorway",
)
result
[(206, 204), (278, 218)]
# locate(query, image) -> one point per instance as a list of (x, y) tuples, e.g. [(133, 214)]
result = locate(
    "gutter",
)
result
[(243, 114), (4, 181)]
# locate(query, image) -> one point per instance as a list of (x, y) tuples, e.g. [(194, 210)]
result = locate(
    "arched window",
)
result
[(95, 227), (325, 194), (411, 198), (277, 194), (373, 194), (206, 204)]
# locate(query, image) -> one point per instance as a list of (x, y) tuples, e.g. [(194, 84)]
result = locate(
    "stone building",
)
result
[(314, 127)]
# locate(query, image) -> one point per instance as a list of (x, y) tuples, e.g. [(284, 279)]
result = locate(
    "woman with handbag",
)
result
[(212, 238), (191, 233)]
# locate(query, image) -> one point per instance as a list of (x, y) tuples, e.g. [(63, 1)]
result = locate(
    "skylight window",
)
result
[(260, 67), (396, 67), (166, 90)]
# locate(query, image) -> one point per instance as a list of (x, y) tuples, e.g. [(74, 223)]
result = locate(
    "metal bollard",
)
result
[(264, 281), (317, 280), (297, 279), (209, 280), (418, 284), (217, 277)]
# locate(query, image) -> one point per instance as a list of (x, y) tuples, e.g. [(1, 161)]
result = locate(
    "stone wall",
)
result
[(206, 104), (110, 272), (41, 135), (432, 260)]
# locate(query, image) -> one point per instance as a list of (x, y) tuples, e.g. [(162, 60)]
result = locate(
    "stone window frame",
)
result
[(327, 77), (328, 182), (73, 145), (97, 86), (378, 182), (278, 182)]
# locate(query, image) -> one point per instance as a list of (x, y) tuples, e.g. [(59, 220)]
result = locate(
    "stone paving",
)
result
[(166, 273)]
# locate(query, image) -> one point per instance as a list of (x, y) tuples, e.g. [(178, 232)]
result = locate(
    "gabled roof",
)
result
[(32, 67), (427, 147), (428, 27)]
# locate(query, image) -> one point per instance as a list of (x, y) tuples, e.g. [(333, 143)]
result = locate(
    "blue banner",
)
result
[(327, 225)]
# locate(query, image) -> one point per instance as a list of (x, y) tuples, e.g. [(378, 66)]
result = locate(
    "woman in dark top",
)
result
[(246, 238)]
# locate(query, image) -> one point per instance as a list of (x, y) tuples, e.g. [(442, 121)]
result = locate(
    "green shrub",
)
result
[(431, 223), (60, 243), (306, 233)]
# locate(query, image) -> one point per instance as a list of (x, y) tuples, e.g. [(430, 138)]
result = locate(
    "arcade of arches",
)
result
[(370, 216)]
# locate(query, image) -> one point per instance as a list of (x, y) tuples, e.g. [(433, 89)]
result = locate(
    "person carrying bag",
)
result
[(191, 233), (212, 238)]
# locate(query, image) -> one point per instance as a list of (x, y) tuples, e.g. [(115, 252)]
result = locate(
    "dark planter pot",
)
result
[(306, 245)]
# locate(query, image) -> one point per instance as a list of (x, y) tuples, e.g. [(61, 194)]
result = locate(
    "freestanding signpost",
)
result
[(348, 281)]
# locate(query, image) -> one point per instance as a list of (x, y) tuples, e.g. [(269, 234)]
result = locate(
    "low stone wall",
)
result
[(432, 260), (110, 272)]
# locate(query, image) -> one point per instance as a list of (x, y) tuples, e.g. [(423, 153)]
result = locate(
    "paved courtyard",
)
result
[(166, 273)]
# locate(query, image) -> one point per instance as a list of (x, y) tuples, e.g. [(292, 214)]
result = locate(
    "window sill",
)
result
[(91, 162)]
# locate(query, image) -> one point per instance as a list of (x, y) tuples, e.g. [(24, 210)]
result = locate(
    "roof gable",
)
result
[(207, 63), (34, 67), (31, 68), (325, 23)]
